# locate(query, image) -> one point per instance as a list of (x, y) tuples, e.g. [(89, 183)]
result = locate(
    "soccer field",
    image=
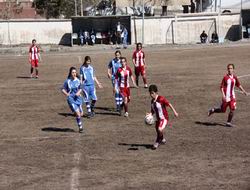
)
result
[(42, 149)]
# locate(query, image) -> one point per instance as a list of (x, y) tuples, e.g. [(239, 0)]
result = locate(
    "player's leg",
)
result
[(93, 96), (163, 123), (125, 106), (36, 67), (78, 120), (221, 109), (32, 66), (137, 74), (232, 106), (87, 100), (76, 109), (158, 135), (143, 73)]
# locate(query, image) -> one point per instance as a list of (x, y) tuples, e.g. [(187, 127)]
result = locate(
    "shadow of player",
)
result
[(55, 129), (135, 146)]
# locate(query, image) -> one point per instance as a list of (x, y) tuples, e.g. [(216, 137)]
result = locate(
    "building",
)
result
[(17, 9)]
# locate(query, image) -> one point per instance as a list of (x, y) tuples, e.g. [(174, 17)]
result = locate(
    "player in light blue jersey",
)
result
[(88, 79), (113, 67), (72, 89)]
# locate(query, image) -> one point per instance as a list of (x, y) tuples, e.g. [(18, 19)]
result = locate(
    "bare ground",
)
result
[(42, 149)]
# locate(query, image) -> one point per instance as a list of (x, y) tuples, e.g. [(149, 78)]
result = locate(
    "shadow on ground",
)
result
[(55, 129), (135, 146), (210, 124)]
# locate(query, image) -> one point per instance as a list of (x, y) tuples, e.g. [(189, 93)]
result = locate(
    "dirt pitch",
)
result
[(42, 149)]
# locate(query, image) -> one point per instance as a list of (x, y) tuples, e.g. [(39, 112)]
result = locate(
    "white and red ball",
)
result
[(149, 119)]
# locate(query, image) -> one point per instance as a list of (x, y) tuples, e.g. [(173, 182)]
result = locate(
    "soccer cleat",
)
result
[(89, 114), (37, 77), (210, 112), (145, 86), (126, 114), (163, 141), (228, 124), (80, 129), (155, 145)]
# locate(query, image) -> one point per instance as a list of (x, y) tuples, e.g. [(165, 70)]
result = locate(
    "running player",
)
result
[(34, 58), (122, 83), (88, 79), (159, 106), (72, 89), (228, 83), (113, 66), (139, 64)]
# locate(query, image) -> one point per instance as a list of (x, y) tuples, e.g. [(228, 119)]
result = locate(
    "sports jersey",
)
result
[(159, 106), (88, 75), (34, 50), (114, 65), (72, 86), (228, 83), (139, 57), (122, 76)]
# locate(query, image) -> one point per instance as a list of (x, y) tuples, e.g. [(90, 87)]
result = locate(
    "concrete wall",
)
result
[(186, 29), (181, 30), (44, 31)]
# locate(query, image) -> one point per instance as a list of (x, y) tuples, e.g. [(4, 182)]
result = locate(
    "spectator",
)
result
[(118, 33), (81, 38), (92, 36), (203, 37), (86, 37), (214, 37), (192, 7), (124, 37)]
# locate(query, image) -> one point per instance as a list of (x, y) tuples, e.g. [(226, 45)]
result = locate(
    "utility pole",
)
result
[(143, 14), (75, 7), (81, 8)]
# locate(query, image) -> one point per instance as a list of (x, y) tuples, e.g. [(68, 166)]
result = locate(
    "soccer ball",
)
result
[(149, 119)]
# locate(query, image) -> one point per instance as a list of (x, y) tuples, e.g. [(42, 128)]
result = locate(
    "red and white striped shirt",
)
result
[(139, 57), (34, 50), (122, 76), (228, 83), (159, 107)]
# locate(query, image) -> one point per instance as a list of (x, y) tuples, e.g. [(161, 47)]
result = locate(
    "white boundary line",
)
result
[(242, 76), (75, 171), (74, 183)]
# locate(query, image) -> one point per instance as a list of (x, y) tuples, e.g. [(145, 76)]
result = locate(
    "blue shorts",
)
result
[(75, 103), (91, 92)]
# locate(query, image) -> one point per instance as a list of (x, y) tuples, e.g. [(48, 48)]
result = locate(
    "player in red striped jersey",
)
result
[(139, 64), (122, 83), (159, 106), (34, 58), (228, 83)]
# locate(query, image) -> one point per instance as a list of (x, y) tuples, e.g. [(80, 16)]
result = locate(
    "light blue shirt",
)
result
[(88, 75)]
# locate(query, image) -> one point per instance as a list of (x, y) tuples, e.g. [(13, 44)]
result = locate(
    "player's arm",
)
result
[(39, 55), (222, 89), (65, 92), (240, 87), (109, 73), (116, 85), (173, 109), (79, 91), (109, 70), (98, 83), (30, 56), (132, 78), (243, 90), (133, 58)]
